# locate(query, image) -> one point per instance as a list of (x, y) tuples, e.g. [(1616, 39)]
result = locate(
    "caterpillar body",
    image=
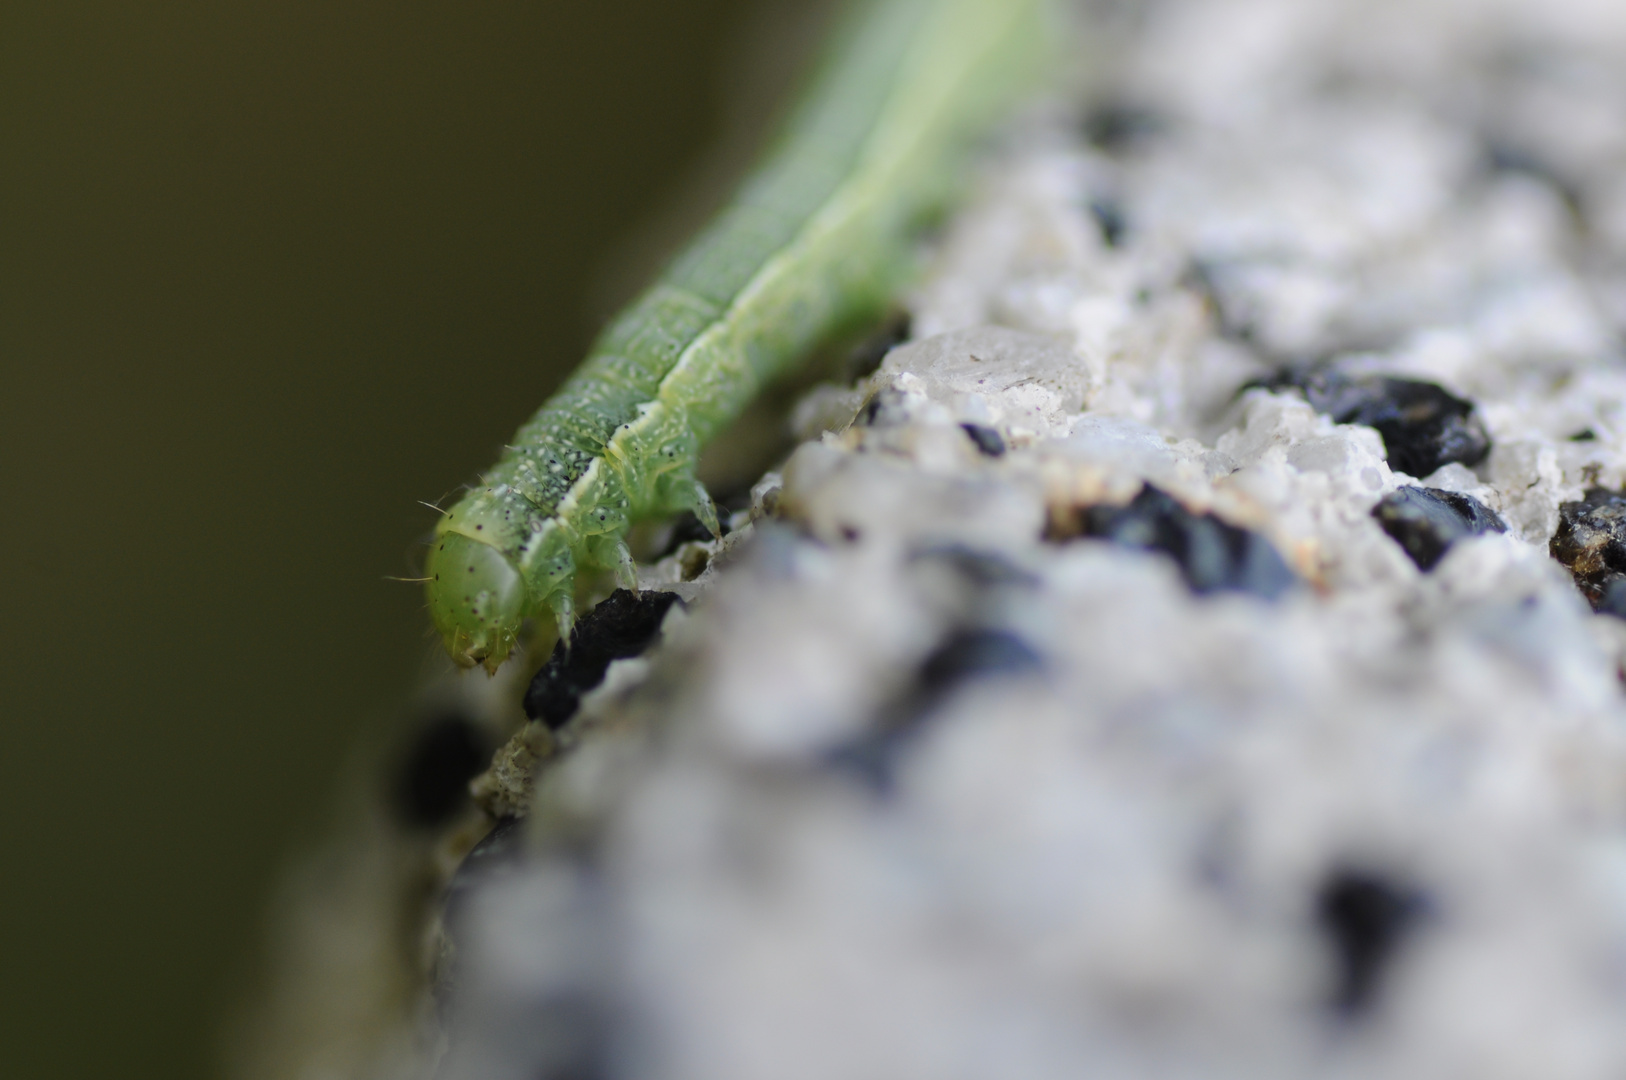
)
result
[(818, 235)]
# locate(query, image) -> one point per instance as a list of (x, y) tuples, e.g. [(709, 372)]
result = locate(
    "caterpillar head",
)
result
[(476, 599)]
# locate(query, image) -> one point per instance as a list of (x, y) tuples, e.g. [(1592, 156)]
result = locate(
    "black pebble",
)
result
[(495, 856), (887, 406), (1427, 521), (432, 778), (988, 439), (971, 654), (1505, 157), (1109, 218), (1366, 917), (499, 855), (1423, 425), (1591, 543), (1212, 554), (561, 1026), (866, 357), (984, 569), (622, 625), (1118, 126), (1232, 322), (964, 656)]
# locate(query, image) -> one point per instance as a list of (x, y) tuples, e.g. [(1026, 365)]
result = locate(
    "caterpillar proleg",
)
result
[(817, 236)]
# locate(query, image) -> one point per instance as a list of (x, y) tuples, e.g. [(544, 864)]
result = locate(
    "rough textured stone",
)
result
[(916, 791), (911, 791)]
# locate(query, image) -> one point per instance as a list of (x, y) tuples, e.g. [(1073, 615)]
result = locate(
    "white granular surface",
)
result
[(1111, 866)]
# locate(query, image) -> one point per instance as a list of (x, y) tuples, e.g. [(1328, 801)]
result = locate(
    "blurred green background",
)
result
[(270, 272)]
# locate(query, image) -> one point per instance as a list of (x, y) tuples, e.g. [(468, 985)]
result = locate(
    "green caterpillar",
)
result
[(819, 235)]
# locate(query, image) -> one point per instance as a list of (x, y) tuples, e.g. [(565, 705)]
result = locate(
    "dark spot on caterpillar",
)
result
[(1365, 917), (988, 440), (1591, 543), (964, 656), (1118, 127), (431, 778), (1423, 425), (1109, 218), (1213, 555), (477, 528), (620, 626), (850, 534), (1584, 435), (866, 357), (1427, 521)]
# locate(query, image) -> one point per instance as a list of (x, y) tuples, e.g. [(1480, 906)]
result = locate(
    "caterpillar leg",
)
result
[(706, 510), (665, 482), (564, 613), (626, 571), (678, 492), (611, 552)]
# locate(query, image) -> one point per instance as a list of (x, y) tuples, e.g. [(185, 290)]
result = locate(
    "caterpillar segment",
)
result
[(822, 235)]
